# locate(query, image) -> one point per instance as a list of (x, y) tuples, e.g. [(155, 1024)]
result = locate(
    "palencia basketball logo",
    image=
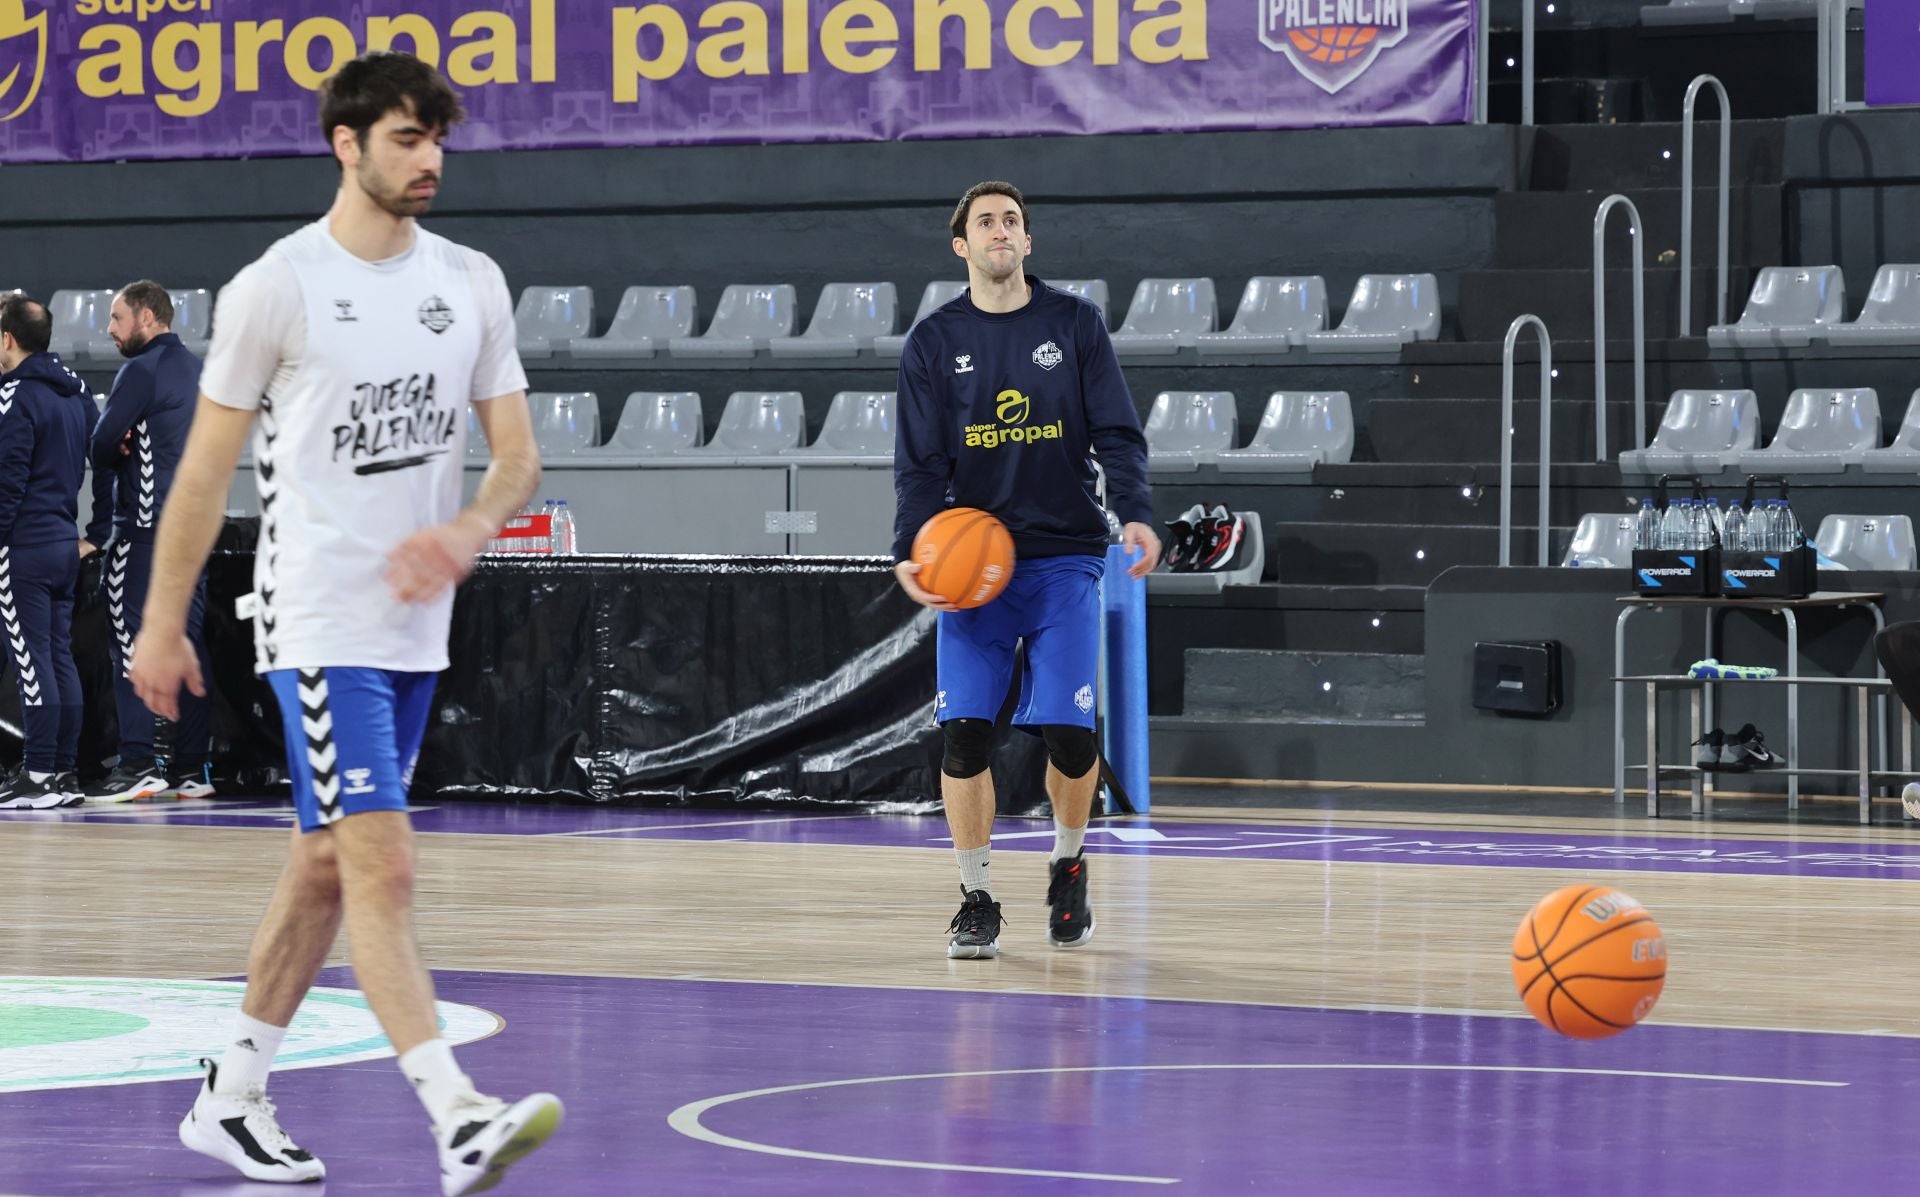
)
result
[(1332, 42), (1011, 409), (17, 94)]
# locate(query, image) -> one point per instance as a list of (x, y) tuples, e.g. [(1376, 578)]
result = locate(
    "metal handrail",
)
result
[(1635, 230), (1506, 432), (1483, 67), (1686, 202), (1526, 61)]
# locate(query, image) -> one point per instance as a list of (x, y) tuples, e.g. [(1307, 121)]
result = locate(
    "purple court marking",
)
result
[(1322, 1101), (1160, 837)]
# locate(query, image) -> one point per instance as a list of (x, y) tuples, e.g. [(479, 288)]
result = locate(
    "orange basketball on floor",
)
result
[(1589, 961), (965, 556)]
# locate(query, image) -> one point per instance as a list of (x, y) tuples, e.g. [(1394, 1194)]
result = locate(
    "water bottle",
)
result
[(1733, 535), (562, 534), (1646, 528), (1717, 519), (1790, 528), (1698, 533), (1670, 526), (1769, 539)]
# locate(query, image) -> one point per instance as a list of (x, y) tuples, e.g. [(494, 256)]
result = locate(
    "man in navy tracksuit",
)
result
[(44, 415), (1005, 395), (135, 449)]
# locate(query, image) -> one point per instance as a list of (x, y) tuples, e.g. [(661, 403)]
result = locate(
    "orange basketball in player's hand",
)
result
[(965, 556), (1589, 961)]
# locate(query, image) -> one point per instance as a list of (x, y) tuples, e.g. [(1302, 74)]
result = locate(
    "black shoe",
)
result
[(69, 783), (1221, 537), (130, 781), (1069, 917), (1707, 760), (29, 793), (1749, 749), (1183, 539), (189, 781), (976, 929)]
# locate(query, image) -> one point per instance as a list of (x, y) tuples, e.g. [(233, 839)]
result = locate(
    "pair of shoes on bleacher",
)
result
[(1204, 542), (1734, 752), (1711, 668)]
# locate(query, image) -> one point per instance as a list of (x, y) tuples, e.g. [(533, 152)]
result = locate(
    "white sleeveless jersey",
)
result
[(362, 373)]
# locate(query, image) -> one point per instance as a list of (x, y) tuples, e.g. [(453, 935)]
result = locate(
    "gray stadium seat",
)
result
[(79, 318), (1385, 312), (1822, 431), (1167, 314), (937, 295), (1867, 541), (1186, 429), (658, 424), (1701, 432), (1275, 314), (565, 422), (1602, 541), (1903, 456), (1695, 12), (755, 424), (845, 321), (1788, 306), (1299, 430), (859, 428), (547, 318), (749, 317), (648, 317), (1094, 290), (1891, 315)]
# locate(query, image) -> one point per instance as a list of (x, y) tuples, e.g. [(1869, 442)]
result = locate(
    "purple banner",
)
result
[(90, 80), (1893, 52)]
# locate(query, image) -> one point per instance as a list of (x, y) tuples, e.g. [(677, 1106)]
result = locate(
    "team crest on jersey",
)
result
[(1332, 42), (436, 315), (1048, 356)]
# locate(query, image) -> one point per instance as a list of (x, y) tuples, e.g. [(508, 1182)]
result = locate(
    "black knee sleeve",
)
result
[(969, 747), (1072, 750)]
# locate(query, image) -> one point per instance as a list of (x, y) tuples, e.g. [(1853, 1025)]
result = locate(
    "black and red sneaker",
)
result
[(1219, 540), (1069, 917), (1184, 538)]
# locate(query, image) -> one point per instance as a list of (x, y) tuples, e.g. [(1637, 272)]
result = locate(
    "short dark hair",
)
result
[(991, 187), (145, 295), (27, 320), (379, 81)]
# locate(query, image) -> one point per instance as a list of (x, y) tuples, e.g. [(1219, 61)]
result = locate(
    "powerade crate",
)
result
[(1789, 574), (1684, 573)]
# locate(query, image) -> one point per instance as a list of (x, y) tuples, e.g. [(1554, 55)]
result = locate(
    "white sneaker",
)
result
[(1910, 799), (483, 1135), (240, 1130)]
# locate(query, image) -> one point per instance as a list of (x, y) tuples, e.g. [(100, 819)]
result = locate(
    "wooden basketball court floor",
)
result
[(1310, 999)]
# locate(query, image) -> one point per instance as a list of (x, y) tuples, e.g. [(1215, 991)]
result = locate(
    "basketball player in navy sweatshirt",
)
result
[(44, 416), (1006, 395)]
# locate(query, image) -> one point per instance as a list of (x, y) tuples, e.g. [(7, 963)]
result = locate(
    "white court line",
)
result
[(548, 835), (686, 1119)]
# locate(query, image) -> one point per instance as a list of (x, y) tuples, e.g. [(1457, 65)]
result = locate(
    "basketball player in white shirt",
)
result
[(358, 342)]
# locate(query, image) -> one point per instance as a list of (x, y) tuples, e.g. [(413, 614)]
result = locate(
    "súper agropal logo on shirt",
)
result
[(23, 57), (1333, 42)]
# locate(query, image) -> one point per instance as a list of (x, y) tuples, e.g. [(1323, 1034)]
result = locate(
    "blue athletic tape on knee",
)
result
[(1071, 749), (969, 747)]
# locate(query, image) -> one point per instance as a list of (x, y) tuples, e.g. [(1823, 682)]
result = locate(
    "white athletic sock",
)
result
[(436, 1078), (1067, 841), (973, 868), (249, 1057)]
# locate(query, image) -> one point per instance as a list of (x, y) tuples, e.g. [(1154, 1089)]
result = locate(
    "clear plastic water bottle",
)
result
[(1733, 533), (1646, 528), (1696, 525), (1717, 519), (1768, 538), (1791, 534), (1670, 522), (562, 537)]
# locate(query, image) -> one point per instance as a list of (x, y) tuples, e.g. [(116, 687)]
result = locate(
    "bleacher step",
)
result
[(1301, 686)]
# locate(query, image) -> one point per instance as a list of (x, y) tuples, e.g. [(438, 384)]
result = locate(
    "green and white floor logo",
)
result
[(71, 1032)]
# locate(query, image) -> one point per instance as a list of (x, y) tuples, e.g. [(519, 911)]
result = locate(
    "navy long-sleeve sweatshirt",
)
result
[(1003, 411), (44, 415), (154, 397)]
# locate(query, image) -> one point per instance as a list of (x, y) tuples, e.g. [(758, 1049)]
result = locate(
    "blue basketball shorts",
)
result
[(1053, 604), (353, 736)]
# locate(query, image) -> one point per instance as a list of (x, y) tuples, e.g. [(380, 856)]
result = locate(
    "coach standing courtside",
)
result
[(44, 416), (135, 449)]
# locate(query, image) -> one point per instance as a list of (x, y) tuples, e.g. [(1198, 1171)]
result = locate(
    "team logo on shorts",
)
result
[(1332, 42), (436, 315), (1048, 356), (1083, 698), (360, 781)]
